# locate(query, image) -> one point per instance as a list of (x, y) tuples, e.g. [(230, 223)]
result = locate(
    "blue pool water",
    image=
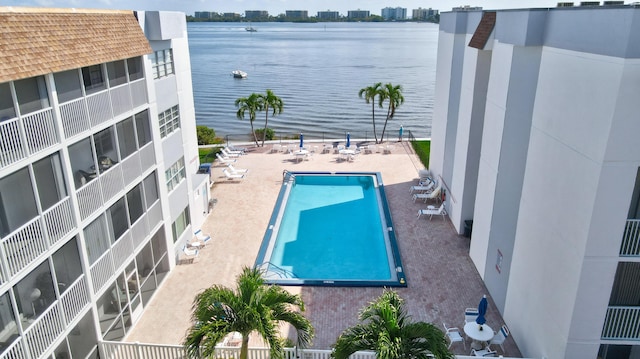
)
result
[(331, 229)]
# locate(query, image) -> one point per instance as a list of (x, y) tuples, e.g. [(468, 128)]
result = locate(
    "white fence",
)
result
[(622, 323), (631, 239)]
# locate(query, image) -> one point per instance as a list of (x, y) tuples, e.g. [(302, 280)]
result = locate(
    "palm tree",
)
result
[(276, 104), (251, 104), (387, 330), (252, 307), (370, 94), (394, 95)]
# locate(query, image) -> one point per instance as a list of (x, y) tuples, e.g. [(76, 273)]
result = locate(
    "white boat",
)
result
[(250, 29), (239, 74)]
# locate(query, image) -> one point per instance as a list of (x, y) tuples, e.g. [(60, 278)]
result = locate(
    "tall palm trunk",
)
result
[(373, 114), (266, 120), (244, 349), (255, 137), (384, 128)]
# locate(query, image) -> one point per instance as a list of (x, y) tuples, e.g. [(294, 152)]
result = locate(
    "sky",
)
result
[(275, 7)]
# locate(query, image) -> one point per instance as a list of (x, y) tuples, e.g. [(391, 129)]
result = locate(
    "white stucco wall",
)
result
[(553, 280), (441, 108)]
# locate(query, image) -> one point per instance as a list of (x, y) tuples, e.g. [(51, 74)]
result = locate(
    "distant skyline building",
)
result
[(328, 15), (297, 14), (203, 15), (394, 13), (358, 14), (423, 14), (255, 14), (231, 15)]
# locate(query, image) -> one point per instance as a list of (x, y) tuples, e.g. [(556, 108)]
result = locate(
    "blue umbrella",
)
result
[(348, 140), (482, 310), (301, 140)]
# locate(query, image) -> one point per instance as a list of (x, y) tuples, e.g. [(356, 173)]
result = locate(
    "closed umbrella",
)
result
[(301, 141), (482, 310), (348, 140)]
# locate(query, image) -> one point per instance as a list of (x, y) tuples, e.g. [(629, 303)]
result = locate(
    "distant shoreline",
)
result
[(311, 20)]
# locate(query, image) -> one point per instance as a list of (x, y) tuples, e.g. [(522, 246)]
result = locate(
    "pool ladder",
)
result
[(270, 268)]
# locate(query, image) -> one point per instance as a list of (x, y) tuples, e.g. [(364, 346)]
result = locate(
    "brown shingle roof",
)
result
[(483, 31), (37, 41)]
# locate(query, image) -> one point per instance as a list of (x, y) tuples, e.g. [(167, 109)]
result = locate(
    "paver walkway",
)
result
[(442, 280)]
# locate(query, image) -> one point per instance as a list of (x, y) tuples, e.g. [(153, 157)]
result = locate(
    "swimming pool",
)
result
[(331, 229)]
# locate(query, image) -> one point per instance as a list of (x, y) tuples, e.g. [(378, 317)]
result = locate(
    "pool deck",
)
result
[(442, 280)]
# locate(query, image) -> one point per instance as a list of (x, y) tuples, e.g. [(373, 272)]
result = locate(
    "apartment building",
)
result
[(423, 14), (328, 15), (256, 14), (98, 156), (358, 14), (297, 14), (394, 13), (535, 137)]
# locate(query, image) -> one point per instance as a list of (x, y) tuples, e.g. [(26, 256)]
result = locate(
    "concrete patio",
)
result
[(442, 280)]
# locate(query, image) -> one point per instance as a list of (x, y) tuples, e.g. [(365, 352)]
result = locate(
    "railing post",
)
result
[(138, 350)]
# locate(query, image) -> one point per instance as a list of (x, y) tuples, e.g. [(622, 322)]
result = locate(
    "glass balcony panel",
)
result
[(159, 246), (117, 219), (97, 239), (93, 79), (32, 94), (143, 128), (82, 339), (134, 67), (108, 308), (126, 138), (34, 294), (17, 201), (82, 162), (145, 262), (134, 201), (150, 189), (66, 264), (105, 145), (68, 85), (8, 324), (117, 73), (7, 109), (50, 181)]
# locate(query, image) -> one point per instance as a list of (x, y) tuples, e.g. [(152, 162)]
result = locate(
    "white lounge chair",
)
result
[(201, 239), (486, 352), (432, 210), (224, 160), (229, 154), (435, 194), (237, 150), (423, 187), (454, 336), (232, 176), (237, 170)]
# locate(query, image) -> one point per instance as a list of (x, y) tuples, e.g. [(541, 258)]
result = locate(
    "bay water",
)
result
[(317, 69)]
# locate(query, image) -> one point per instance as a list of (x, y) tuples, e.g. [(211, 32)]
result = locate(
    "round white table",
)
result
[(472, 330), (300, 154), (347, 154)]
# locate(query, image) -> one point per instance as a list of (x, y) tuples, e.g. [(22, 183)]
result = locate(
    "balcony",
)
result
[(27, 135), (631, 239), (622, 323)]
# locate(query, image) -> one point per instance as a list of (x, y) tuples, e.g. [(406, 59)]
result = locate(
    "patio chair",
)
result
[(432, 210), (276, 147), (190, 254), (202, 237), (232, 176), (453, 334), (236, 170), (500, 337), (486, 352), (470, 315), (225, 160), (238, 150)]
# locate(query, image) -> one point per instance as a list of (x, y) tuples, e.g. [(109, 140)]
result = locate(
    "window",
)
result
[(93, 79), (97, 239), (162, 62), (32, 94), (134, 65), (68, 85), (175, 174), (8, 323), (117, 73), (35, 292), (66, 264), (143, 128), (169, 121), (181, 223), (105, 143), (7, 111), (82, 162)]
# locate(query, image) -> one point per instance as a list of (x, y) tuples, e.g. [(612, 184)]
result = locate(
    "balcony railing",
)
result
[(138, 93), (120, 99), (27, 135), (631, 239), (59, 220), (44, 331), (147, 156), (122, 250), (89, 198), (101, 271), (75, 299), (14, 351), (622, 323), (24, 245), (99, 105), (75, 117)]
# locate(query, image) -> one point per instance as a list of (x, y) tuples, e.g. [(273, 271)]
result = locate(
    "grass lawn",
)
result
[(207, 155), (423, 149)]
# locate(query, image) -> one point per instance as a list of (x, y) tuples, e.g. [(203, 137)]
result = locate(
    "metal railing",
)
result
[(24, 246), (622, 322), (27, 135), (631, 239)]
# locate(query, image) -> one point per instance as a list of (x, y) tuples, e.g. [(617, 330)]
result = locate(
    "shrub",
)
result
[(270, 134)]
